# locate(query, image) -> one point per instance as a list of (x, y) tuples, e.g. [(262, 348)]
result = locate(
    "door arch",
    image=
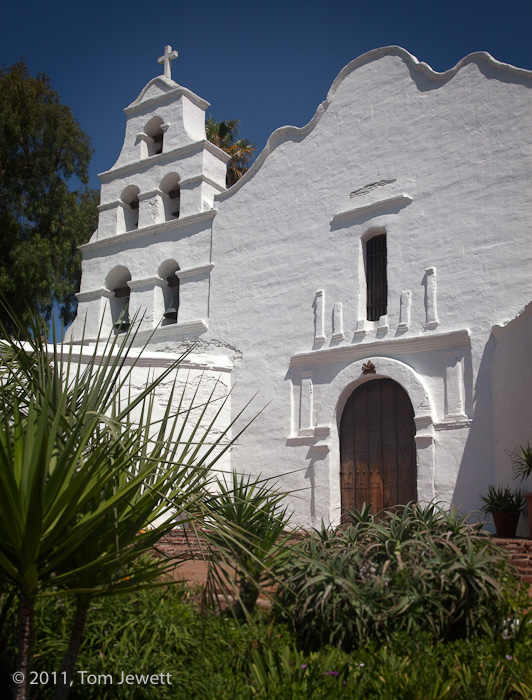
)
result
[(377, 447)]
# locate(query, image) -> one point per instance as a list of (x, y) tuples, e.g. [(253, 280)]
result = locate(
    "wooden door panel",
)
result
[(377, 448)]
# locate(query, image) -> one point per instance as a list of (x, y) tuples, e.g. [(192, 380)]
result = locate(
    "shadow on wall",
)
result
[(477, 468), (502, 417), (511, 381)]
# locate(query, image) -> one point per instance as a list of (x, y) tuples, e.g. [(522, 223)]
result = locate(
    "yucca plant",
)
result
[(249, 521), (522, 462), (89, 480)]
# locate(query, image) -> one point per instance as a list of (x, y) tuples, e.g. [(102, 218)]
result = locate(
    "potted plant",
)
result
[(506, 506), (522, 467)]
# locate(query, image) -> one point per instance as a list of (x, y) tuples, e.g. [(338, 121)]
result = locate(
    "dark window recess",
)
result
[(175, 196), (376, 279), (122, 292), (135, 206), (158, 141)]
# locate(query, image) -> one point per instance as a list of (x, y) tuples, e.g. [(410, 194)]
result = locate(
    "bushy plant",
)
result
[(211, 658), (405, 668), (411, 569), (502, 499), (150, 632)]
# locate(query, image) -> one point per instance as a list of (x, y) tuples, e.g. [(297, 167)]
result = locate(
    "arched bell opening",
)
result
[(377, 447), (171, 192), (117, 283), (168, 273), (155, 133), (130, 208)]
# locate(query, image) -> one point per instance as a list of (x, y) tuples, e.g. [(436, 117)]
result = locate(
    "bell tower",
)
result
[(156, 214)]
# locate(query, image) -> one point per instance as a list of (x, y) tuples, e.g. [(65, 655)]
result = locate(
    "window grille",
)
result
[(376, 278)]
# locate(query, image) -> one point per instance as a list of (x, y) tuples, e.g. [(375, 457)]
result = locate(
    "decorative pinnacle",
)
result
[(169, 55)]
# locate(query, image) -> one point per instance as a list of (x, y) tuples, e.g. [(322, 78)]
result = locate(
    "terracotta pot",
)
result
[(528, 498), (505, 523)]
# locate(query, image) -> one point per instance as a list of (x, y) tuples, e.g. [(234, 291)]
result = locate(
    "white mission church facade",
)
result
[(370, 277)]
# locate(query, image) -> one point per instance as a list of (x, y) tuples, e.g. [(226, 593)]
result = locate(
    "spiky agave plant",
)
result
[(404, 570)]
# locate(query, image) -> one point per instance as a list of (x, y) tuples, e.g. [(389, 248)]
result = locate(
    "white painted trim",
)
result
[(146, 282), (175, 90), (202, 178), (456, 424), (306, 432), (352, 353), (424, 441), (172, 156), (154, 281), (173, 330), (110, 205), (318, 433), (372, 207), (193, 271), (295, 440), (149, 230), (93, 294), (151, 193), (141, 358)]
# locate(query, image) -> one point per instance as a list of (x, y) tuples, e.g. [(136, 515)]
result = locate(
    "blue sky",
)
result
[(266, 63)]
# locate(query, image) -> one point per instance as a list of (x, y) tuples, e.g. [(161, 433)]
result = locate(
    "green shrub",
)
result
[(150, 632), (408, 570), (405, 668), (211, 658)]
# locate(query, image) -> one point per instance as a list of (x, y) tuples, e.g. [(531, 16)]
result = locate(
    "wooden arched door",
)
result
[(377, 447)]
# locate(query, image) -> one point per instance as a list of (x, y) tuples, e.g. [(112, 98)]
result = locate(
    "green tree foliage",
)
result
[(224, 135), (46, 208)]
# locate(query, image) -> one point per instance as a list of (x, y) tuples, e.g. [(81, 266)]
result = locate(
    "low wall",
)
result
[(182, 543), (185, 544), (520, 553)]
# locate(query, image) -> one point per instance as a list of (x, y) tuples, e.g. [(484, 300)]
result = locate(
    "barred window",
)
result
[(376, 278)]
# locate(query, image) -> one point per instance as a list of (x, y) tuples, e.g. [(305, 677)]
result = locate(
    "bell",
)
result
[(171, 311), (122, 322)]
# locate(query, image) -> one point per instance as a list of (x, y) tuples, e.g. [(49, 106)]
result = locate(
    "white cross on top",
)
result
[(169, 55)]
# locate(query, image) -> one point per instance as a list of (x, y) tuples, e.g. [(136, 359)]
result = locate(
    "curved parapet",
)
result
[(422, 74)]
